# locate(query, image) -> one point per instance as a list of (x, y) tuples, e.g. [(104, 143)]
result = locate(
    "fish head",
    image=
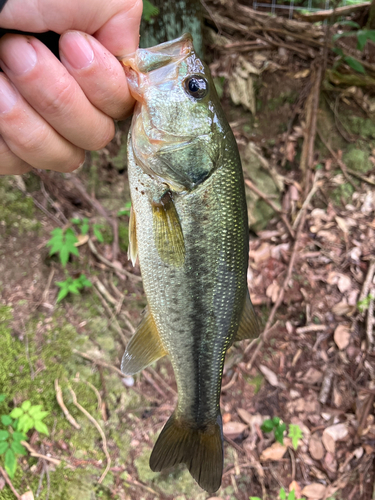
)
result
[(178, 129)]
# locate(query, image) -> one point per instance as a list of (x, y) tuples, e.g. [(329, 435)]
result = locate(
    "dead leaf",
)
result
[(227, 417), (27, 496), (271, 377), (330, 462), (296, 487), (290, 151), (273, 291), (342, 224), (245, 415), (337, 432), (344, 283), (215, 498), (342, 336), (82, 239), (342, 308), (2, 483), (329, 442), (316, 447), (314, 491), (302, 74), (312, 376), (233, 429), (274, 452)]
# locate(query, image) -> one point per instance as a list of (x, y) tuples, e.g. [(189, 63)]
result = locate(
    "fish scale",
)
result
[(189, 229)]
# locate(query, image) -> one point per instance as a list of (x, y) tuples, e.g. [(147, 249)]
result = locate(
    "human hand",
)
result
[(52, 111)]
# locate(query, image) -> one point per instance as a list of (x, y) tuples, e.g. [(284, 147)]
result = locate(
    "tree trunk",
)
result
[(175, 18), (371, 17)]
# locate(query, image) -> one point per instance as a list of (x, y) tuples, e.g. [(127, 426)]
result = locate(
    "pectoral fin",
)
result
[(169, 239), (133, 247), (144, 347), (249, 328)]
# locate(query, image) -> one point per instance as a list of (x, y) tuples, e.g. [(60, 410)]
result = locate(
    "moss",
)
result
[(123, 236), (16, 210), (280, 100), (342, 194), (358, 159), (364, 127)]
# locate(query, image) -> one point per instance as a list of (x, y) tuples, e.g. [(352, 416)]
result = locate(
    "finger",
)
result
[(30, 137), (48, 87), (10, 164), (115, 22), (98, 72)]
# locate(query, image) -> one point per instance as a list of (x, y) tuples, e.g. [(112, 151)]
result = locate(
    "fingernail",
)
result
[(20, 56), (8, 96), (76, 50)]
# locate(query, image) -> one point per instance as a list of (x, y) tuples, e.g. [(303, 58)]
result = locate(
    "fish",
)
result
[(189, 229)]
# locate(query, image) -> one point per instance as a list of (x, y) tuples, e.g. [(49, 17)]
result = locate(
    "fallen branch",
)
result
[(274, 207), (59, 398), (322, 15), (370, 320), (100, 430), (99, 362), (9, 483), (35, 454)]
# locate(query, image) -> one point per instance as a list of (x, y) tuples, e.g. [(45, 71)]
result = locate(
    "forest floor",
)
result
[(311, 279)]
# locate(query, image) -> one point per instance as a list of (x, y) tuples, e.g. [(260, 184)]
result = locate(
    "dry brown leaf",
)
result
[(82, 239), (329, 442), (302, 74), (314, 491), (27, 496), (342, 336), (245, 415), (342, 224), (261, 254), (312, 376), (316, 447), (271, 377), (290, 151), (338, 432), (296, 487), (344, 283), (330, 463), (215, 498), (342, 308), (227, 417), (274, 452), (273, 291), (233, 429)]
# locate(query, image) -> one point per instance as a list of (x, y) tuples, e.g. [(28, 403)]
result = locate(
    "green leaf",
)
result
[(267, 426), (16, 412), (292, 495), (254, 498), (34, 409), (19, 436), (62, 294), (21, 426), (17, 447), (4, 445), (282, 494), (29, 424), (84, 281), (10, 462), (338, 51), (63, 243), (75, 221), (149, 10), (350, 23), (6, 420), (85, 226), (98, 233), (276, 421), (40, 415), (4, 435), (2, 397), (279, 433), (26, 405), (295, 434), (355, 64), (41, 427)]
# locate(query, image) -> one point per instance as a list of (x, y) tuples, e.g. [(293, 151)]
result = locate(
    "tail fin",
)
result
[(201, 451)]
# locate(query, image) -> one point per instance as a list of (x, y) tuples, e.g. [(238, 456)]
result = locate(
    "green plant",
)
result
[(362, 37), (71, 285), (125, 210), (63, 243), (279, 427), (16, 425), (282, 495), (84, 227), (149, 10), (363, 305)]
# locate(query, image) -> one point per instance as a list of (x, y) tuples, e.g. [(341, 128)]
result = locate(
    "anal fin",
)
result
[(249, 328), (133, 247), (144, 347), (169, 239)]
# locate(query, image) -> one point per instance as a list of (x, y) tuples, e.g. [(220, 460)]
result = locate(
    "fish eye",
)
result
[(196, 86)]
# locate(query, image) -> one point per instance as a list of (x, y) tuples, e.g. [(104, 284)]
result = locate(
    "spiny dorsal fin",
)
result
[(169, 239), (249, 328), (133, 247), (144, 347), (200, 449)]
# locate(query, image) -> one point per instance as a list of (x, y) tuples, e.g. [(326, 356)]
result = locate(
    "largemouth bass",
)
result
[(189, 229)]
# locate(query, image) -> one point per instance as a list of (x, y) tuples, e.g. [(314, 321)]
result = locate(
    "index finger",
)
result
[(115, 23)]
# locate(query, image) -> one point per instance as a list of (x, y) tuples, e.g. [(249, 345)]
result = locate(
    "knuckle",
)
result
[(58, 97), (106, 135), (76, 162)]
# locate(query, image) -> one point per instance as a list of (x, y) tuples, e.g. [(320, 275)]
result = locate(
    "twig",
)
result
[(40, 206), (264, 335), (234, 444), (321, 15), (40, 484), (100, 430), (361, 177), (99, 362), (119, 270), (370, 319), (305, 204), (9, 483), (326, 386), (35, 454), (102, 289), (230, 383), (161, 380), (367, 283), (251, 186), (97, 393), (51, 202), (212, 16), (151, 381), (311, 328), (59, 398), (32, 373)]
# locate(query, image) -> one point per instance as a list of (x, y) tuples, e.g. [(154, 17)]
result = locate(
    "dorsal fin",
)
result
[(249, 328), (144, 347)]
